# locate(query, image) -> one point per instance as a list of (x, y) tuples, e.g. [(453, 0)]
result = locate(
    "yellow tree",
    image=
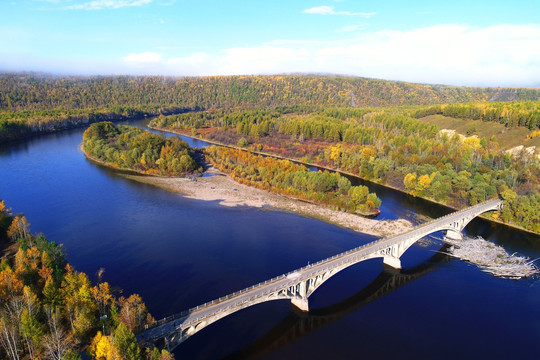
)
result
[(423, 183), (133, 312), (410, 183), (4, 209), (10, 285), (103, 348), (12, 306), (103, 297), (19, 228)]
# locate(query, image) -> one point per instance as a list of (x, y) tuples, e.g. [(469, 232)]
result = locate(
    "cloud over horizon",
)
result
[(499, 55), (444, 54)]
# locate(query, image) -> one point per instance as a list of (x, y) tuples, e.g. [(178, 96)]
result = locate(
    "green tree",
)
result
[(344, 185), (32, 332), (125, 341), (242, 142)]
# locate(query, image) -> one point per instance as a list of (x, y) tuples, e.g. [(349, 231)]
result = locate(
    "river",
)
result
[(177, 253)]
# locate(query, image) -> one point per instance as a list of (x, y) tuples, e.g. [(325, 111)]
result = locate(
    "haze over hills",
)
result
[(31, 91)]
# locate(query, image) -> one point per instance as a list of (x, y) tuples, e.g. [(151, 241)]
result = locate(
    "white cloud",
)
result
[(320, 10), (262, 60), (144, 57), (503, 55), (348, 28), (107, 4), (329, 10)]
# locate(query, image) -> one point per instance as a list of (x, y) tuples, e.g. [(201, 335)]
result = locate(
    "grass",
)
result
[(506, 137)]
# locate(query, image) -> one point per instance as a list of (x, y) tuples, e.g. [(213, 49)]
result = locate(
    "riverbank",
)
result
[(8, 248), (227, 192)]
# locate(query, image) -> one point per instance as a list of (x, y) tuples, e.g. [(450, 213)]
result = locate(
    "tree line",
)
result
[(51, 311), (131, 148), (25, 91), (517, 113), (20, 124), (285, 177)]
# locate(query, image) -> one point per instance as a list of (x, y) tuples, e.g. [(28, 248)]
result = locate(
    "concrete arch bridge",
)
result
[(300, 323), (299, 284)]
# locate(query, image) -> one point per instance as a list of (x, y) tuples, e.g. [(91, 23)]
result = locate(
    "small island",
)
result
[(271, 182), (130, 148)]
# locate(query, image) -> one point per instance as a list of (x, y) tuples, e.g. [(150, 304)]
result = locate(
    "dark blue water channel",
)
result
[(178, 253)]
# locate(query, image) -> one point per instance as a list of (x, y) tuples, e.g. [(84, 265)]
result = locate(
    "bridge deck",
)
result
[(194, 315)]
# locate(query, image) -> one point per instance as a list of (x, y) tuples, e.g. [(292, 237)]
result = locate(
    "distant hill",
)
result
[(24, 91)]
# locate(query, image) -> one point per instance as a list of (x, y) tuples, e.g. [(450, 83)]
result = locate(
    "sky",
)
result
[(471, 43)]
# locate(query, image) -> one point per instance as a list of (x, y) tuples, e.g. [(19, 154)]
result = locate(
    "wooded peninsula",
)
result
[(130, 148)]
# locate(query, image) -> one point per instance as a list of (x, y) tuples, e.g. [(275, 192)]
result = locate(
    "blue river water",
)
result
[(177, 253)]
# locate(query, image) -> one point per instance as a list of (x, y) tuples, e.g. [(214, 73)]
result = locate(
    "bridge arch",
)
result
[(179, 334)]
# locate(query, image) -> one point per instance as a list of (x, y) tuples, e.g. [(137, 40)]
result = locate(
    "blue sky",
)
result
[(479, 43)]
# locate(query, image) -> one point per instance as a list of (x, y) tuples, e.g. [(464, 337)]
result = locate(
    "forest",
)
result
[(16, 125), (51, 311), (285, 177), (391, 147), (130, 148), (518, 113), (33, 103)]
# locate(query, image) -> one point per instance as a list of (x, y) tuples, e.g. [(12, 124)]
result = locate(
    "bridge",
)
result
[(299, 324), (299, 284)]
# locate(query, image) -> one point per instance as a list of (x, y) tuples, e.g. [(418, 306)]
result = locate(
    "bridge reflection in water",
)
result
[(299, 284), (299, 324)]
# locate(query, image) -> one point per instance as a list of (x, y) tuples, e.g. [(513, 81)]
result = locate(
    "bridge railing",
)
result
[(377, 244)]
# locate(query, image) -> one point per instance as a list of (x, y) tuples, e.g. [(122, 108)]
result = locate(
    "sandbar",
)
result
[(222, 188)]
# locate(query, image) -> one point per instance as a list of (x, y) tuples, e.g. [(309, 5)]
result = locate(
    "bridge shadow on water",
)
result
[(298, 324)]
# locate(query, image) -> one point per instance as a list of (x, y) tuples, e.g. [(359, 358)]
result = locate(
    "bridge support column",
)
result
[(392, 261), (454, 235), (301, 303), (301, 300)]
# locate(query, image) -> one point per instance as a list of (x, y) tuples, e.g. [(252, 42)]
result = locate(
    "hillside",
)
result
[(40, 92)]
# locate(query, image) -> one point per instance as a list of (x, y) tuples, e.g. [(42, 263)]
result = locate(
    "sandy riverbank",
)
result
[(228, 192)]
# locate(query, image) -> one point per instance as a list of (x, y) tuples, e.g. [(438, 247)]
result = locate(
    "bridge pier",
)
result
[(392, 262), (301, 303), (454, 235), (301, 298)]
